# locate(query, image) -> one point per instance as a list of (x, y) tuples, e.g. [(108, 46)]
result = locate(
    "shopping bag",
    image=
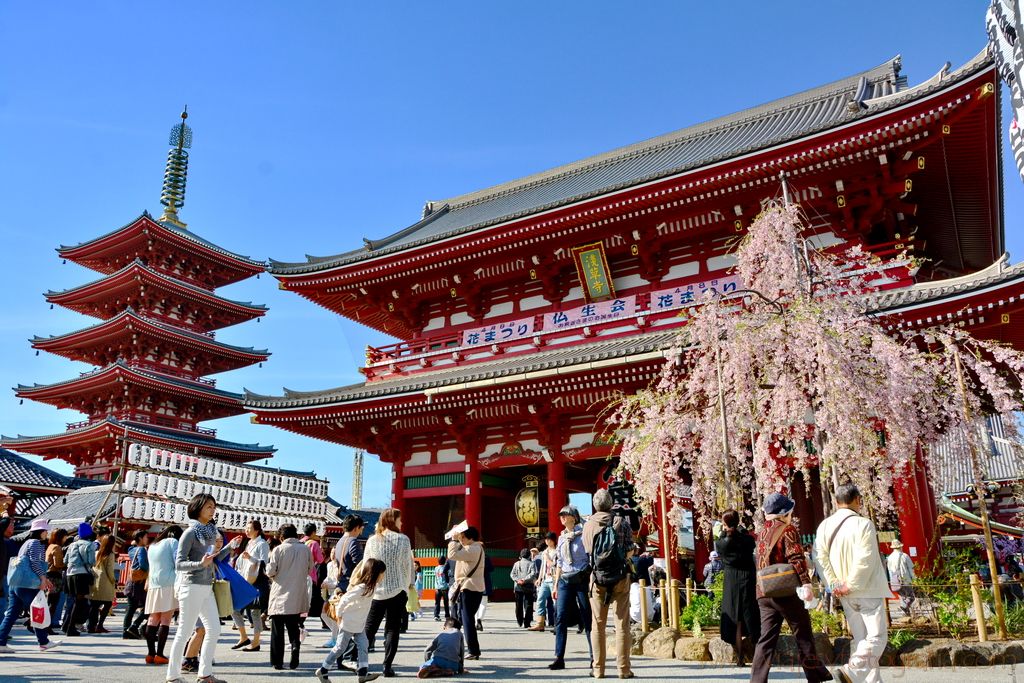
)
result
[(39, 611), (242, 592)]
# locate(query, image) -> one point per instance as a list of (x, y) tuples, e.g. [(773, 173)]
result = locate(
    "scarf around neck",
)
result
[(206, 533)]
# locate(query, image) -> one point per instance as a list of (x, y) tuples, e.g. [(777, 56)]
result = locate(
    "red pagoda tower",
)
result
[(155, 342)]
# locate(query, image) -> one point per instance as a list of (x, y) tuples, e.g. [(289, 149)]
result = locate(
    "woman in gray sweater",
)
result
[(194, 564)]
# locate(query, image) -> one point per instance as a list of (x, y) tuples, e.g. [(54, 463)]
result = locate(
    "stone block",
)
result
[(721, 651), (927, 653), (661, 644), (693, 650)]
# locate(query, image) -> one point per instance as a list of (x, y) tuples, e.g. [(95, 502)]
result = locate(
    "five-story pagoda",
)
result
[(155, 342)]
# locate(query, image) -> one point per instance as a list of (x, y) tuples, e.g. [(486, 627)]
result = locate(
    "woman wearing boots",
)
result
[(160, 601), (289, 569), (103, 590)]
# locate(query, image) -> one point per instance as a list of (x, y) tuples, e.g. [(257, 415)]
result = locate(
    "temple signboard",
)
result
[(592, 269)]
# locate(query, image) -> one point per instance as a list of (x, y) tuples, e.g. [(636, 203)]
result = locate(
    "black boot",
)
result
[(150, 632), (294, 663), (162, 632)]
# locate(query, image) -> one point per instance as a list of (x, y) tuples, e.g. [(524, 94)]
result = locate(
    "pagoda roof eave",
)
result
[(175, 233), (793, 118), (119, 321), (889, 304), (112, 427), (123, 369), (137, 267)]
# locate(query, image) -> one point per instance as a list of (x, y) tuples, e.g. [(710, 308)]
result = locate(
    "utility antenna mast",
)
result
[(357, 481)]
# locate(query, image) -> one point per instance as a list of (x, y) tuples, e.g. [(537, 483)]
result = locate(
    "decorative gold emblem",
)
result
[(528, 503)]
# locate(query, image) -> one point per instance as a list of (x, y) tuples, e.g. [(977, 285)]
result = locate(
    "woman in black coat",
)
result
[(740, 615)]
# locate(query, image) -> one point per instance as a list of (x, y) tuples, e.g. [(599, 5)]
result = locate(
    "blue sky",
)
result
[(319, 123)]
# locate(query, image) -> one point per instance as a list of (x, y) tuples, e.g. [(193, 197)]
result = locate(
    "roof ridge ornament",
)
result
[(176, 173)]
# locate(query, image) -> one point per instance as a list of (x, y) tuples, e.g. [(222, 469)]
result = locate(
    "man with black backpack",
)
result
[(608, 540)]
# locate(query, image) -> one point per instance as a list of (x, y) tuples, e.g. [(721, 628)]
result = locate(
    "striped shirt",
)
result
[(395, 551), (35, 552)]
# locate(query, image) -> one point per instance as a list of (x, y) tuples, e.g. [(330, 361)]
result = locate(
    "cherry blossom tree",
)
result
[(795, 373)]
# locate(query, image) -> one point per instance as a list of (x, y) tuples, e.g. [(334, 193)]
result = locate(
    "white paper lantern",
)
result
[(140, 507), (134, 451), (127, 507), (130, 477)]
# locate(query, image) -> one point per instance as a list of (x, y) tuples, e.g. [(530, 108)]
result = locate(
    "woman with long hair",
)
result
[(352, 611), (55, 573), (194, 564), (160, 601), (740, 615), (389, 545), (79, 558), (104, 590)]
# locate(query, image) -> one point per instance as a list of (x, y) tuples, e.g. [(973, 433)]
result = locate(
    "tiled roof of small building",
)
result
[(67, 512), (16, 470)]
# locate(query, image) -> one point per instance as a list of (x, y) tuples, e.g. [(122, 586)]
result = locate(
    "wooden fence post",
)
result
[(979, 608), (645, 625)]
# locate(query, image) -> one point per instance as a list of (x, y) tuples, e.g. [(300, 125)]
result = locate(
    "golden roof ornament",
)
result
[(173, 194)]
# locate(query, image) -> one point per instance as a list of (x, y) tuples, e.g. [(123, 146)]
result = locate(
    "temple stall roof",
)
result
[(19, 472), (845, 101)]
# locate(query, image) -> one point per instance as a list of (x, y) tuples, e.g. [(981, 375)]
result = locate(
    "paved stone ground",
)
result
[(508, 653)]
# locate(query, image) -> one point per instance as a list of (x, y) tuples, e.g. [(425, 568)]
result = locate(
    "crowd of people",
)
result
[(574, 579)]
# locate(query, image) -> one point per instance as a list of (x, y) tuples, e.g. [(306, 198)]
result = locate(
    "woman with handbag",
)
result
[(251, 562), (160, 601), (80, 558), (783, 585), (389, 545), (55, 573), (27, 579), (468, 553), (194, 564), (103, 592)]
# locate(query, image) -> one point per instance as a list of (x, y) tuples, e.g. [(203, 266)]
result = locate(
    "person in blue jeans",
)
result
[(6, 531), (572, 583), (28, 579)]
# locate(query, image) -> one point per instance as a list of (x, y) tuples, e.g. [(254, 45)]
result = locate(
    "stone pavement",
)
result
[(508, 653)]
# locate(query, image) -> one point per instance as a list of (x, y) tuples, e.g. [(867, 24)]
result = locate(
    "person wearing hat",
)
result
[(24, 585), (713, 568), (79, 559), (901, 575), (847, 549), (6, 529), (571, 584), (779, 543)]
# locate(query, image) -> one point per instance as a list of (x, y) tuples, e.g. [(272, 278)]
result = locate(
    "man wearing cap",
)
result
[(901, 575), (572, 579), (847, 547)]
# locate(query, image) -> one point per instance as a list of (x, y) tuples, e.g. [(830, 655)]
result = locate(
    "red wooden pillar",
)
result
[(927, 499), (911, 515), (474, 492), (398, 485), (557, 494)]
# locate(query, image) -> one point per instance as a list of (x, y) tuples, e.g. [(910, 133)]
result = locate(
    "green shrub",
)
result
[(830, 623), (900, 637), (1015, 619), (704, 610)]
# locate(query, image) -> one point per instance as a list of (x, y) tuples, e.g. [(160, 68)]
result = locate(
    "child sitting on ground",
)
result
[(351, 611), (444, 656)]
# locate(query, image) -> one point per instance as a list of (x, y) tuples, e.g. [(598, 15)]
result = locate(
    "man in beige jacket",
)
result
[(847, 549), (467, 551)]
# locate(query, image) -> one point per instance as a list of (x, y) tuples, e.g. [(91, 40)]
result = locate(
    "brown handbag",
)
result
[(777, 580)]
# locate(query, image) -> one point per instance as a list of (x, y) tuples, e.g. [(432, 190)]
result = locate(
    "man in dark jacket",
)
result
[(603, 596)]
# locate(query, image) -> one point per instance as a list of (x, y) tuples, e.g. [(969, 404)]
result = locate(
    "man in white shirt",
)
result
[(847, 549), (901, 575)]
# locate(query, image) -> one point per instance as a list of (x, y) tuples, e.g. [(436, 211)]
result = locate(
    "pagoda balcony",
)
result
[(156, 421), (171, 372), (451, 350)]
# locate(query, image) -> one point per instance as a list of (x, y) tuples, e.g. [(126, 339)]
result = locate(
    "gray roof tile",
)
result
[(17, 470)]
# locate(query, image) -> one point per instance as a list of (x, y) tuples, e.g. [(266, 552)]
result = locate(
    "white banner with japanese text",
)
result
[(690, 294), (590, 314), (498, 332)]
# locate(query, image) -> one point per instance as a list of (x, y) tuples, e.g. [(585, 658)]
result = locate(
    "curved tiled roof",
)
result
[(137, 264), (131, 313), (178, 232), (781, 121), (891, 300)]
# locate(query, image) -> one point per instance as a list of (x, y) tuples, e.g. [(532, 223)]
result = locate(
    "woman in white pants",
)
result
[(194, 564)]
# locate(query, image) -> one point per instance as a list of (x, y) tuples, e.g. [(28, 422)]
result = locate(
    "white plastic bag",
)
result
[(40, 611)]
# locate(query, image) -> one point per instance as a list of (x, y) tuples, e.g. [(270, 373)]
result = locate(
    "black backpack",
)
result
[(608, 558)]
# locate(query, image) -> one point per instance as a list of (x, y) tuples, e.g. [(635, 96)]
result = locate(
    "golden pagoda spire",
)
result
[(173, 194)]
